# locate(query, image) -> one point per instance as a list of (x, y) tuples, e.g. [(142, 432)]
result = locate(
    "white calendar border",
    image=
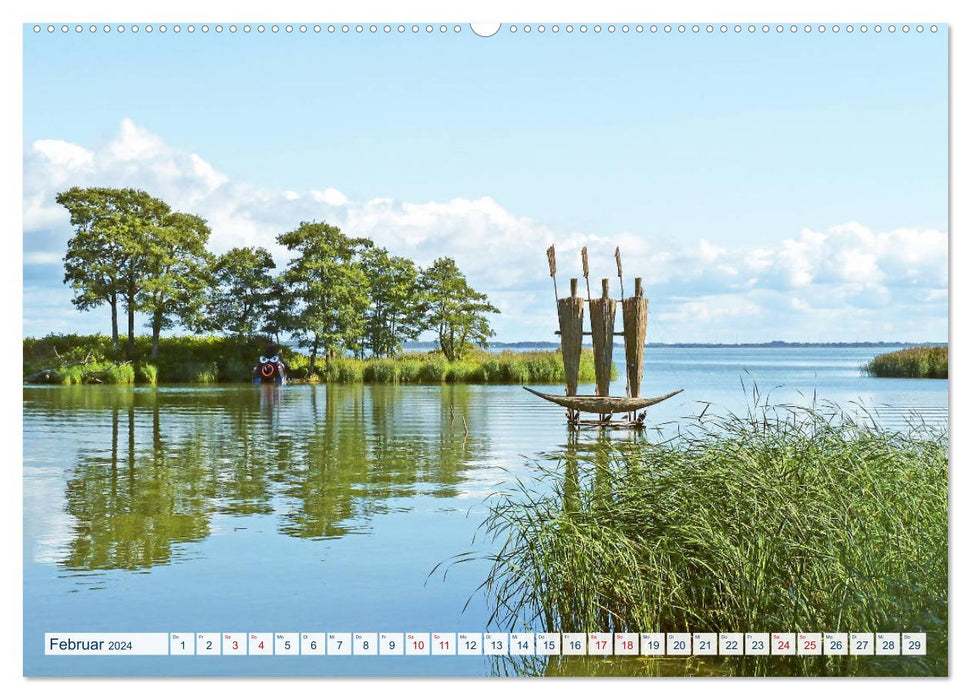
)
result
[(378, 10)]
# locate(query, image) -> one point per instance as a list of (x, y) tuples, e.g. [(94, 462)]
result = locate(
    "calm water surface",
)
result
[(324, 508)]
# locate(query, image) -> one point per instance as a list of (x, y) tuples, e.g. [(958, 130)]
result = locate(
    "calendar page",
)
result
[(410, 348)]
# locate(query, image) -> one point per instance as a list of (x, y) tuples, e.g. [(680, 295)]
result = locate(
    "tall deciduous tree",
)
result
[(105, 260), (278, 310), (175, 267), (395, 314), (455, 311), (242, 293), (326, 287)]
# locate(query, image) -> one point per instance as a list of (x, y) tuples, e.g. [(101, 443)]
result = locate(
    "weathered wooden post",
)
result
[(570, 311), (602, 313), (635, 334)]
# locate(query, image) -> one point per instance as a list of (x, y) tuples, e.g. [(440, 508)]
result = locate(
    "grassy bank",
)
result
[(78, 359), (478, 368), (781, 520), (920, 363)]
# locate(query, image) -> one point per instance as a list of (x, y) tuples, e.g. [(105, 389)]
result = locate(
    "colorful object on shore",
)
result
[(270, 370), (603, 313)]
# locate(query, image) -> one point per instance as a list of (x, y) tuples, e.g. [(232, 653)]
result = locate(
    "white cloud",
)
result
[(43, 257), (331, 197), (64, 154), (700, 287)]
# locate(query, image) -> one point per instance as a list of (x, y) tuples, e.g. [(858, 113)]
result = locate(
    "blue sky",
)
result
[(766, 186)]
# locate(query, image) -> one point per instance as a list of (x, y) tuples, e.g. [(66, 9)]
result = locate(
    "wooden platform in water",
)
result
[(603, 405)]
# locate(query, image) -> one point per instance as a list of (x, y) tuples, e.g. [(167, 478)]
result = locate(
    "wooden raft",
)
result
[(604, 405)]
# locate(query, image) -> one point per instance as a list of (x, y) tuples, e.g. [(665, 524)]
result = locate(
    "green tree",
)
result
[(326, 289), (455, 311), (105, 260), (278, 312), (175, 266), (395, 314), (241, 297)]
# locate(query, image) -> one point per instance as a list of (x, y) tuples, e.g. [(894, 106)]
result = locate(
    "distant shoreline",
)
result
[(423, 345)]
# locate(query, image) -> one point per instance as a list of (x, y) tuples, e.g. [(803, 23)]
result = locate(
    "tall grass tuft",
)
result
[(94, 373), (926, 362), (784, 519), (146, 373), (118, 374), (342, 370)]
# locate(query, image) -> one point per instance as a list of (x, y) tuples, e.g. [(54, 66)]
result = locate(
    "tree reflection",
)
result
[(155, 468), (131, 507), (371, 448)]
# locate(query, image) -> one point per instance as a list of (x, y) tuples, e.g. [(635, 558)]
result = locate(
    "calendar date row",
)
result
[(487, 643)]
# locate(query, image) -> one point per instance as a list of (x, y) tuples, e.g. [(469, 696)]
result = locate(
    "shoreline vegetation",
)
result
[(918, 363), (93, 359), (772, 344), (338, 295), (787, 518)]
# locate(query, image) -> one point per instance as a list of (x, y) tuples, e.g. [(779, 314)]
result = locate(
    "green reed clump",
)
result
[(118, 374), (433, 370), (68, 375), (342, 370), (785, 519), (408, 369), (93, 373), (928, 362), (477, 368), (146, 373), (54, 350), (381, 371)]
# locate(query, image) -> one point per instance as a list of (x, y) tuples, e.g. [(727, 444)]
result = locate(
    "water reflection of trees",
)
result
[(156, 466), (132, 505), (373, 447)]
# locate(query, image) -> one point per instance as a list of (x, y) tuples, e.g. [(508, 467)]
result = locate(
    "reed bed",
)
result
[(76, 359), (79, 359), (93, 373), (926, 362), (479, 368), (784, 519)]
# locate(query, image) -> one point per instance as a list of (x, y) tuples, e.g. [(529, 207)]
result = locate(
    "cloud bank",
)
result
[(846, 283)]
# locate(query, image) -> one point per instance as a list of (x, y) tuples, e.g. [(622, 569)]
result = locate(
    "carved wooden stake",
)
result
[(602, 314), (570, 312), (635, 335)]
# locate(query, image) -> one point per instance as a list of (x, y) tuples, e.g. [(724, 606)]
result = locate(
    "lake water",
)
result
[(324, 508)]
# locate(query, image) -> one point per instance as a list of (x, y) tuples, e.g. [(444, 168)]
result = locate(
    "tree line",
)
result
[(338, 294)]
